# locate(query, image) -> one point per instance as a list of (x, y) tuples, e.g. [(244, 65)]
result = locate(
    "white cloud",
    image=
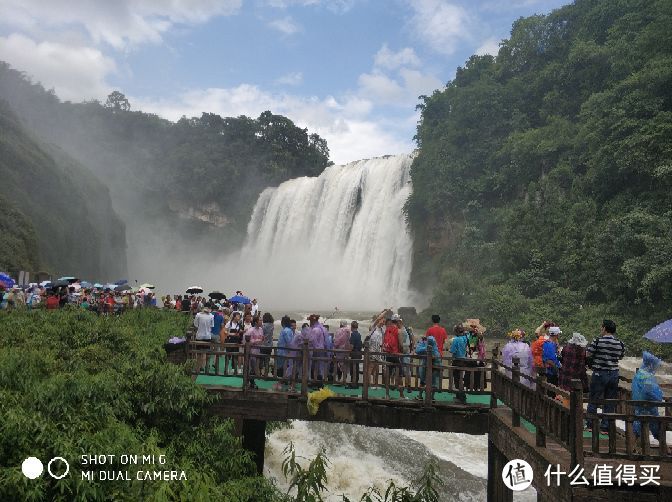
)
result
[(394, 80), (292, 78), (336, 6), (286, 25), (344, 122), (440, 24), (75, 72), (488, 46), (385, 58), (119, 23), (418, 83), (380, 88)]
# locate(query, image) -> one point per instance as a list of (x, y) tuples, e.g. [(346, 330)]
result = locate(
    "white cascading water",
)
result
[(339, 239)]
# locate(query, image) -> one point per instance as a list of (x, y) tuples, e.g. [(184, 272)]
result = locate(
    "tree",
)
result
[(117, 102)]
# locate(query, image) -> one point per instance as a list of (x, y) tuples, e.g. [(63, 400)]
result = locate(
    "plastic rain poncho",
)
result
[(645, 388)]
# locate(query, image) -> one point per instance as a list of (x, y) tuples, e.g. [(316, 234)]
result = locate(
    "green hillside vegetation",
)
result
[(73, 383), (542, 184), (56, 215), (157, 170), (18, 241)]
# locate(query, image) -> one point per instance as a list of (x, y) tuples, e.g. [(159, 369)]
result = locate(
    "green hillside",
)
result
[(55, 214), (193, 179), (542, 185)]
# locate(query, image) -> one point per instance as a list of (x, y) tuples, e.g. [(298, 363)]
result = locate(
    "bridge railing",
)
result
[(623, 442), (559, 414), (300, 369)]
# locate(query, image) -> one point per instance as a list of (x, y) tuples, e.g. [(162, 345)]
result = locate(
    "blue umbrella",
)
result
[(6, 280), (661, 333), (240, 299)]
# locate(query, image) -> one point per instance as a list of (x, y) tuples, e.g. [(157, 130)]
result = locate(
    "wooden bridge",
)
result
[(524, 418)]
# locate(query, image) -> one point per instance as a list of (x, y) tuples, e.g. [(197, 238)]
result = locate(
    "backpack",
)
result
[(390, 343)]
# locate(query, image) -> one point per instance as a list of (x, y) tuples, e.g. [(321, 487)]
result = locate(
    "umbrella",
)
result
[(122, 287), (121, 282), (217, 295), (45, 284), (60, 283), (147, 286), (70, 279), (76, 285), (194, 289), (661, 333), (6, 280), (86, 284), (144, 291), (240, 299), (97, 285)]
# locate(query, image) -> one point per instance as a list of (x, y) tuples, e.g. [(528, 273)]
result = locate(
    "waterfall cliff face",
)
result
[(337, 240)]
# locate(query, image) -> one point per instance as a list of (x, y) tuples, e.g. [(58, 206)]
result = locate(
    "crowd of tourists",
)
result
[(104, 300), (562, 365), (334, 356)]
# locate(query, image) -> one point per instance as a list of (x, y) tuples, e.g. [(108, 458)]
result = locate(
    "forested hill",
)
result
[(542, 185), (54, 214), (181, 187)]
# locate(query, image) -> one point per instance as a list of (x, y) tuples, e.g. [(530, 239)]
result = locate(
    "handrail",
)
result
[(312, 367)]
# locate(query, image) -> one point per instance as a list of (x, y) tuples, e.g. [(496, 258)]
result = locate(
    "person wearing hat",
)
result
[(317, 341), (550, 357), (537, 346), (574, 362), (517, 348)]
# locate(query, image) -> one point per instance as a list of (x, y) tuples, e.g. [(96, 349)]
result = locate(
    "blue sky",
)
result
[(350, 70)]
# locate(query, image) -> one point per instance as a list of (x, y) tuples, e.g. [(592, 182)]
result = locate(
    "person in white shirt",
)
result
[(255, 308), (203, 322)]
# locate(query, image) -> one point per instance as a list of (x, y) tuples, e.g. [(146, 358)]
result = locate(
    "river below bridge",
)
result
[(361, 457)]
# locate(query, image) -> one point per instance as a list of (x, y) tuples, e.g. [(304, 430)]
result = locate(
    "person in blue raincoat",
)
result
[(645, 388), (428, 344)]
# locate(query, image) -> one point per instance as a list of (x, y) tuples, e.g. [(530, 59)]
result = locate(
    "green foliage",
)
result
[(18, 242), (56, 214), (309, 482), (73, 383), (541, 188), (426, 489), (161, 169)]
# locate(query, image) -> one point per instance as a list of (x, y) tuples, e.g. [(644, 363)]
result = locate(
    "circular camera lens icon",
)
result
[(517, 475), (55, 476), (32, 467)]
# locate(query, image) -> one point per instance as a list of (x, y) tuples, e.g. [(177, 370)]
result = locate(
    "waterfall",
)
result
[(336, 240)]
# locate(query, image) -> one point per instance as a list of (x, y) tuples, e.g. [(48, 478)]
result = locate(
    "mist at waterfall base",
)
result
[(336, 240)]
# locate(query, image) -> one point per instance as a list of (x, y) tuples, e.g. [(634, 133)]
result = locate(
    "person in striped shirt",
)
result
[(603, 355)]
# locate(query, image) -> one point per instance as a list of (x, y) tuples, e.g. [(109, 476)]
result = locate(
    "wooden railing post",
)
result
[(428, 378), (662, 437), (493, 370), (576, 423), (365, 380), (515, 374), (246, 366), (540, 438), (305, 368)]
